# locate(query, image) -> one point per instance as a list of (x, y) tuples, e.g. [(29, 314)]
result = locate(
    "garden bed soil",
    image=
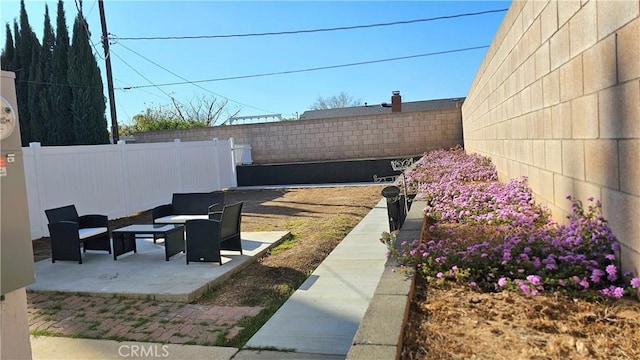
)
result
[(455, 321)]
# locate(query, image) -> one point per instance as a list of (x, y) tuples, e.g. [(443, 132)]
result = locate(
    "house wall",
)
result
[(358, 137), (557, 99)]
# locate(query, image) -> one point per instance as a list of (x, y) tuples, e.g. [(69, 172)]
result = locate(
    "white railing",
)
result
[(120, 180)]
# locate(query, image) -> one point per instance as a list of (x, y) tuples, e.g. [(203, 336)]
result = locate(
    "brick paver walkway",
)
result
[(119, 319)]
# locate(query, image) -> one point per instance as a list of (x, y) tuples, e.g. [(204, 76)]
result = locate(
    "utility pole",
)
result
[(107, 59)]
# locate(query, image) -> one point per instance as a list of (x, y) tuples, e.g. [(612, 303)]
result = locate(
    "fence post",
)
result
[(178, 164), (125, 176), (234, 177), (42, 196)]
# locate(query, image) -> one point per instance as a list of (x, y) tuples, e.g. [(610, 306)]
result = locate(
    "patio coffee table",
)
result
[(124, 239)]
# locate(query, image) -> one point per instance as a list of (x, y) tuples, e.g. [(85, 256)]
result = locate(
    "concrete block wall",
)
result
[(358, 137), (557, 99)]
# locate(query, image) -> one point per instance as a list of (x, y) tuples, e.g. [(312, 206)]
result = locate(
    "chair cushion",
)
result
[(179, 219), (89, 232)]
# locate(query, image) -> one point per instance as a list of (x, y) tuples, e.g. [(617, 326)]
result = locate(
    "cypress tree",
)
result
[(8, 52), (88, 105), (34, 91), (61, 119), (42, 103), (17, 42), (25, 44)]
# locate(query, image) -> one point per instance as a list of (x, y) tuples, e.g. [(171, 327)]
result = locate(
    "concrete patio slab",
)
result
[(146, 274)]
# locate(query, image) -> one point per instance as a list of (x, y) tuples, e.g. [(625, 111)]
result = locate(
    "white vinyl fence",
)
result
[(119, 180)]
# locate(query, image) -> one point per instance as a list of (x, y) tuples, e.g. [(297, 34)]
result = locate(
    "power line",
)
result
[(58, 84), (309, 69), (190, 82), (143, 90), (115, 37), (144, 77)]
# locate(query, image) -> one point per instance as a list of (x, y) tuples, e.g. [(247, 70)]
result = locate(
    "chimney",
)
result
[(396, 101)]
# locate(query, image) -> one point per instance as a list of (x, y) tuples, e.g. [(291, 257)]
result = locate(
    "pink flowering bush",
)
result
[(489, 203), (494, 237), (448, 166)]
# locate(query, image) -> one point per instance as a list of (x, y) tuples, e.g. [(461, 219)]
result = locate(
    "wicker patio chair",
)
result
[(69, 232)]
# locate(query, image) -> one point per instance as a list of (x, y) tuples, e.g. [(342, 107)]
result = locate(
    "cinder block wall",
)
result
[(360, 137), (557, 99)]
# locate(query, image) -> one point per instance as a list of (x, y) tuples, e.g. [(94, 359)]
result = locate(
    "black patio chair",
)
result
[(203, 241), (230, 220), (205, 238), (69, 232)]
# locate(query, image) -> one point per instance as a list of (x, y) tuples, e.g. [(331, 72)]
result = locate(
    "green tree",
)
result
[(88, 104), (341, 100), (25, 44), (61, 118), (198, 112), (8, 52), (153, 121), (17, 42), (40, 87), (35, 89)]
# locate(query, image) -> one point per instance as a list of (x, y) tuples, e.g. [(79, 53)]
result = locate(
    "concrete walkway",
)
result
[(318, 322), (323, 315)]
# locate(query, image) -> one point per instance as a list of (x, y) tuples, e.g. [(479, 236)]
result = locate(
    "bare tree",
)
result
[(341, 100), (200, 111), (207, 110)]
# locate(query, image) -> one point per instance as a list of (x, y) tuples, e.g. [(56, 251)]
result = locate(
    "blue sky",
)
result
[(419, 78)]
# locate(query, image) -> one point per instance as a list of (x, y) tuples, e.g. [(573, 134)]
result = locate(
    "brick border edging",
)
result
[(381, 330)]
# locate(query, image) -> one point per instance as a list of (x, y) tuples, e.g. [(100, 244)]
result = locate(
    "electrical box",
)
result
[(16, 251)]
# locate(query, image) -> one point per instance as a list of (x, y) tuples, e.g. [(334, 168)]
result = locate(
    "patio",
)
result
[(146, 274)]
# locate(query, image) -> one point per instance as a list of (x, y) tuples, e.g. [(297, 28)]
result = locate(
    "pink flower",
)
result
[(618, 292), (584, 283), (613, 291), (503, 281), (439, 275), (596, 274), (635, 283), (612, 271), (534, 279)]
